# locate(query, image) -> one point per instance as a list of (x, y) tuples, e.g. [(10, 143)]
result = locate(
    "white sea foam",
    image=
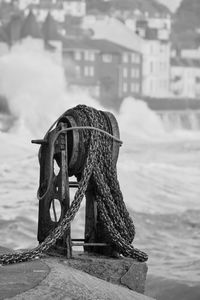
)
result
[(35, 87)]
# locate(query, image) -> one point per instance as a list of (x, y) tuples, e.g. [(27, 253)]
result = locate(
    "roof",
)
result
[(101, 45), (49, 5), (30, 27), (117, 32), (46, 5), (3, 36), (185, 62), (50, 29), (13, 28)]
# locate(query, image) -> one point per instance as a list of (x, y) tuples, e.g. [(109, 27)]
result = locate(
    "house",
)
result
[(13, 29), (191, 53), (185, 78), (30, 27), (109, 71), (156, 59), (114, 31)]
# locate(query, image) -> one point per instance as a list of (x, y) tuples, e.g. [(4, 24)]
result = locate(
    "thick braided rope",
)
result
[(112, 211)]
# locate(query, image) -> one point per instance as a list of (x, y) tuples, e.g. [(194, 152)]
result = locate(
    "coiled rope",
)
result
[(98, 168)]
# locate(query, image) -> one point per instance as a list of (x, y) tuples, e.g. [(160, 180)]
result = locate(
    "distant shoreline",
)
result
[(155, 104)]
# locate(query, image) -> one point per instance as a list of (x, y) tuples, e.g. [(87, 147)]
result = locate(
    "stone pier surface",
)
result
[(85, 276)]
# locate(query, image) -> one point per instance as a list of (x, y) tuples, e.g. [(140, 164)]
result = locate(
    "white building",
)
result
[(193, 53), (185, 78), (155, 34), (76, 8), (156, 68), (160, 22), (156, 57)]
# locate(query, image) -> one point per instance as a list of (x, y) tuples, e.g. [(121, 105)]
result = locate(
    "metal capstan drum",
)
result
[(75, 145)]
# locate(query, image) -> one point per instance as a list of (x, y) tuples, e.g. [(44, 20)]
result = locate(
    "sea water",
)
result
[(158, 168)]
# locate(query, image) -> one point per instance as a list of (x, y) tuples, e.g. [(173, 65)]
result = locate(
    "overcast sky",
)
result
[(172, 4)]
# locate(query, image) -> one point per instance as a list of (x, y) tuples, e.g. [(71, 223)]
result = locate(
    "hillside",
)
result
[(151, 6), (186, 23)]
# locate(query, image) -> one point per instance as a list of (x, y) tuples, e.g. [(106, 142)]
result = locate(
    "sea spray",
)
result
[(35, 87), (138, 121)]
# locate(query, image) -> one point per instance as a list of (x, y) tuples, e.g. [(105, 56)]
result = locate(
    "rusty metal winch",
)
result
[(69, 156)]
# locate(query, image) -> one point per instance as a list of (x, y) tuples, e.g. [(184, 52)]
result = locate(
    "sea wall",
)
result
[(83, 277)]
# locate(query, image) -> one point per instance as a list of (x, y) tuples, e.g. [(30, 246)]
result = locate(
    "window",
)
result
[(132, 87), (135, 73), (78, 71), (86, 71), (133, 57), (125, 57), (89, 71), (89, 55), (151, 67), (151, 85), (125, 87), (77, 55), (125, 72), (107, 58), (151, 49), (162, 48), (163, 66), (137, 58), (135, 88)]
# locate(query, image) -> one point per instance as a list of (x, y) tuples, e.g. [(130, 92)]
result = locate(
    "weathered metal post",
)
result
[(64, 245), (58, 191)]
